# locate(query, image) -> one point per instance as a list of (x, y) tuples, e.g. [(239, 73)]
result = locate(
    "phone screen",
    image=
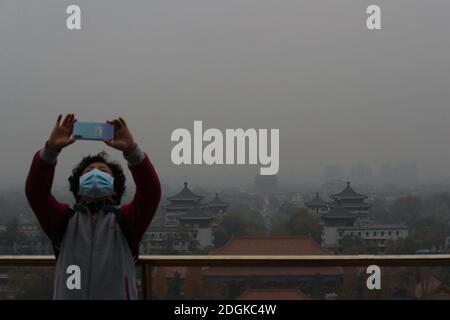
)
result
[(93, 131)]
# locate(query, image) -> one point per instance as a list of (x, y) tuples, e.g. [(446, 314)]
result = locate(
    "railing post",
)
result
[(146, 281)]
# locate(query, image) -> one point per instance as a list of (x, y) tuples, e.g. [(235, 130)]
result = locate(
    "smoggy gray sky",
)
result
[(339, 94)]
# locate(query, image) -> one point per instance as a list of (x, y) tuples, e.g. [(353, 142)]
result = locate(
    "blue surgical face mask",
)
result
[(96, 184)]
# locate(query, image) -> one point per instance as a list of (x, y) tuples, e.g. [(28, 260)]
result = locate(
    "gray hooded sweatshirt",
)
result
[(101, 251)]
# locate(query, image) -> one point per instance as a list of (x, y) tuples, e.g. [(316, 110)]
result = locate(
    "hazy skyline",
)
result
[(340, 94)]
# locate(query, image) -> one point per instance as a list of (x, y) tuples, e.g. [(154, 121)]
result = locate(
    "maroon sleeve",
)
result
[(140, 211), (49, 212)]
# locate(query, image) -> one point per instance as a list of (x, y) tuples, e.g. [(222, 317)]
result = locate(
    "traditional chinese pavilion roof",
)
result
[(316, 202), (279, 245), (349, 193), (196, 213), (185, 194), (217, 202), (339, 211), (352, 206), (179, 206)]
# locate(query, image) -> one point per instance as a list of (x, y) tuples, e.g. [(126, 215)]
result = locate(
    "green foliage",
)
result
[(406, 210), (12, 229), (410, 209), (303, 223), (429, 232), (294, 221), (378, 211), (220, 236), (401, 246), (425, 233), (353, 245), (236, 223), (438, 206)]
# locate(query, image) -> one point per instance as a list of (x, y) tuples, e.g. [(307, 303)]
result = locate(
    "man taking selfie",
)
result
[(96, 237)]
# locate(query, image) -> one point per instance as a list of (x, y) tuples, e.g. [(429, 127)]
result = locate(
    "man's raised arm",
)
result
[(47, 209), (141, 210), (49, 212)]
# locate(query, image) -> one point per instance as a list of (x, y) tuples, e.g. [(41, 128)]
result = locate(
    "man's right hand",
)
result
[(61, 135)]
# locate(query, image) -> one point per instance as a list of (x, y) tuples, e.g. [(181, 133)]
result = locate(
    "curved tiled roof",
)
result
[(316, 202), (217, 202), (339, 211), (271, 245), (196, 213), (349, 193), (185, 194)]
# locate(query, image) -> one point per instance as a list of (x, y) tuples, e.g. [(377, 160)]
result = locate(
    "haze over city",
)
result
[(340, 94)]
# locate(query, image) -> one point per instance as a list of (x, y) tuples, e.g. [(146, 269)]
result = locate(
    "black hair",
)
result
[(117, 172)]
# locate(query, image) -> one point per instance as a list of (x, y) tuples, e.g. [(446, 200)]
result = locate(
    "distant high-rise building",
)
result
[(360, 174), (333, 172), (403, 173)]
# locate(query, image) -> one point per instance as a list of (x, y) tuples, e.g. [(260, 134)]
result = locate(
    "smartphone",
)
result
[(93, 131)]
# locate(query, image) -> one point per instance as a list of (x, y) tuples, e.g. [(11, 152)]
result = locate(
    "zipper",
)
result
[(56, 287), (127, 289), (93, 219)]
